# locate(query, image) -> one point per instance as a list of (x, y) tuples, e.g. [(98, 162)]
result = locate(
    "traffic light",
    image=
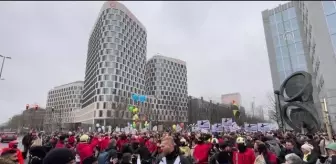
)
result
[(36, 107), (27, 106)]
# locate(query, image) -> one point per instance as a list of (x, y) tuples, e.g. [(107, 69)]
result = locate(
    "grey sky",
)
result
[(223, 44)]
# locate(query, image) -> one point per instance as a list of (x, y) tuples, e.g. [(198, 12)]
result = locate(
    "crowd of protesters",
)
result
[(172, 148)]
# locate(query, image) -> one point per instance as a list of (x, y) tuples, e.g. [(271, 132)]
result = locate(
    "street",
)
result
[(19, 139)]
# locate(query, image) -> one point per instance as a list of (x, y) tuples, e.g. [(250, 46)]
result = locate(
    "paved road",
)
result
[(3, 145)]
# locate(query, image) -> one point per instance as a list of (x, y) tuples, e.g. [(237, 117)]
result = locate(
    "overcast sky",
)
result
[(223, 44)]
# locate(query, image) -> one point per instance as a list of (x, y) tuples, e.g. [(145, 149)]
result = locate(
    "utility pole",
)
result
[(3, 63), (253, 106), (326, 118)]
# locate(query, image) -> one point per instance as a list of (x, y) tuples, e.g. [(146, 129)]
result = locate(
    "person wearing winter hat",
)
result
[(184, 148), (37, 154), (60, 156), (331, 151), (86, 148), (309, 156), (10, 154)]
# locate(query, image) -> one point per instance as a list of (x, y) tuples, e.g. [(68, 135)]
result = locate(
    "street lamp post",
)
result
[(3, 63), (278, 112)]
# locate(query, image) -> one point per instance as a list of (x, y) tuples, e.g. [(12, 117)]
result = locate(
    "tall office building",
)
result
[(62, 102), (285, 46), (166, 79), (288, 44), (319, 21), (115, 66)]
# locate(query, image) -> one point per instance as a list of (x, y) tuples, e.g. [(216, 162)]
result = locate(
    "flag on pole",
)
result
[(235, 110)]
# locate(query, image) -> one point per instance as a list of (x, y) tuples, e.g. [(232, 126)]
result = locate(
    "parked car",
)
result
[(8, 136)]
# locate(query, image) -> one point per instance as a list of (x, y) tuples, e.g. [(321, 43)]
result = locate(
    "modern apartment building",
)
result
[(166, 79), (319, 30), (62, 102), (115, 66), (287, 45)]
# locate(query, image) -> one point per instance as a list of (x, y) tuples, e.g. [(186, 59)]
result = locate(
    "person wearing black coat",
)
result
[(289, 148), (224, 156), (26, 142)]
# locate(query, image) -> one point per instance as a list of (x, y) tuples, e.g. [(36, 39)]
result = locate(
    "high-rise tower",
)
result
[(288, 34), (115, 65), (166, 78)]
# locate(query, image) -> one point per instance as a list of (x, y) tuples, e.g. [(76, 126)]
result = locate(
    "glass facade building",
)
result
[(329, 8), (287, 42)]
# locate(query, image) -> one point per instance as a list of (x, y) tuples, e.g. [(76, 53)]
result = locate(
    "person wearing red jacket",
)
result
[(71, 139), (104, 143), (14, 145), (201, 151), (151, 145), (85, 149), (121, 141), (60, 143), (244, 155)]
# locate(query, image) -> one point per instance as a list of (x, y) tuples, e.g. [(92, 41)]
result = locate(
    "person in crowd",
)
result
[(292, 158), (249, 142), (323, 143), (6, 161), (224, 156), (201, 150), (121, 141), (36, 142), (244, 155), (37, 154), (264, 156), (289, 148), (309, 156), (184, 148), (170, 153), (10, 154), (104, 143), (331, 158), (145, 155), (312, 140), (273, 145), (109, 153), (59, 156), (71, 139), (85, 148), (26, 142), (126, 158), (61, 142), (90, 160), (151, 145), (14, 145)]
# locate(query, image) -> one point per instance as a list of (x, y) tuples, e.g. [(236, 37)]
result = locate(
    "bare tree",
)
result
[(272, 106)]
